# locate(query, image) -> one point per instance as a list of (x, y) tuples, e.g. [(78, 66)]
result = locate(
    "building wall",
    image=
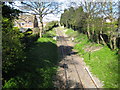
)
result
[(26, 21)]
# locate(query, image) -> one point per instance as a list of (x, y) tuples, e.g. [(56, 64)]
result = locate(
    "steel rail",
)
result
[(87, 72), (65, 42), (75, 66), (85, 69), (63, 55)]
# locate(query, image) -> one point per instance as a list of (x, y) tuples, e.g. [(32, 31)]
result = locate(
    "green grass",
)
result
[(50, 33), (46, 40), (103, 63), (71, 33), (38, 69)]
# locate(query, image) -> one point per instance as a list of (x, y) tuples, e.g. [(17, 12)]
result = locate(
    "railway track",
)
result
[(64, 52)]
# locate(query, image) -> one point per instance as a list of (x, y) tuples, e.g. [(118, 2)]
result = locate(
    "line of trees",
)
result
[(99, 21), (14, 43)]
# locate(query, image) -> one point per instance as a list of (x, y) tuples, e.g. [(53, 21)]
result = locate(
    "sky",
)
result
[(49, 17), (66, 4)]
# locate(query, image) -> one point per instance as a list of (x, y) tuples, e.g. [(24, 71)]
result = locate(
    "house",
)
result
[(109, 20), (25, 21), (28, 21)]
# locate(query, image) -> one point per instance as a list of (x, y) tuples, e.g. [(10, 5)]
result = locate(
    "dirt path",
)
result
[(72, 71)]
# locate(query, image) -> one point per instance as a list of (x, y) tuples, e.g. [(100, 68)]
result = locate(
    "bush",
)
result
[(46, 40), (28, 40), (12, 49), (71, 33), (50, 33), (14, 44), (38, 68), (14, 83), (51, 25)]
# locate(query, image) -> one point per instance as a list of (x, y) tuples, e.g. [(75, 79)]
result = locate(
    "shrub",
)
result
[(51, 25)]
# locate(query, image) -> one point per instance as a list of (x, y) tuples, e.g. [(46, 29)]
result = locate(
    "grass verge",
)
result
[(103, 63)]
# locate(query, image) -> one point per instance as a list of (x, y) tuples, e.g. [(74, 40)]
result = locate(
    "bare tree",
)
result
[(111, 11), (102, 10), (41, 9), (92, 9)]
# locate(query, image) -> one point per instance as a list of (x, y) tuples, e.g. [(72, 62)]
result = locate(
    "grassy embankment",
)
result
[(103, 63), (40, 66)]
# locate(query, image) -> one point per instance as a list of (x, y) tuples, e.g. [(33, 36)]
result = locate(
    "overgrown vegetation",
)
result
[(91, 19), (51, 25), (103, 63), (28, 61), (91, 29), (38, 68), (12, 48)]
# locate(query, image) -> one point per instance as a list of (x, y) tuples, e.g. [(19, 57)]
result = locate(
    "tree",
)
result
[(42, 9), (73, 18), (65, 17), (9, 12), (79, 18), (91, 18), (92, 9), (101, 10), (12, 48), (110, 11)]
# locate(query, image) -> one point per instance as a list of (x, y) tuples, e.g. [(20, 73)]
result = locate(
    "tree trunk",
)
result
[(110, 41), (88, 30), (98, 42), (114, 42), (66, 24), (88, 26), (93, 31), (40, 33), (103, 41), (41, 29), (111, 45), (101, 34), (41, 26)]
